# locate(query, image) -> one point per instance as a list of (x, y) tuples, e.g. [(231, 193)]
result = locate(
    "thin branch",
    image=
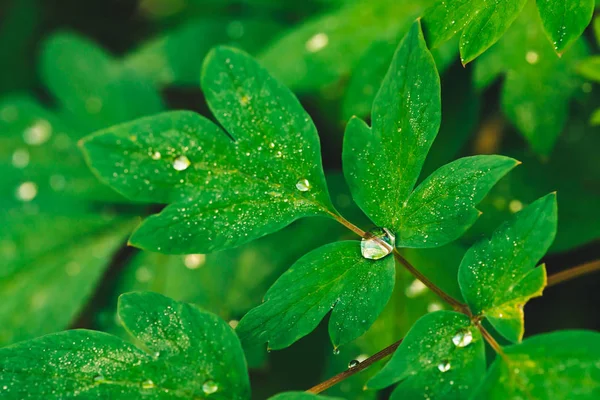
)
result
[(457, 305), (348, 224), (490, 339), (354, 370), (573, 273)]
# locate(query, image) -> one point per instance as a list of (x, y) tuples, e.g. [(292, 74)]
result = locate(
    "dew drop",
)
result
[(444, 366), (99, 378), (303, 185), (462, 339), (379, 243), (181, 163), (353, 364), (148, 384), (27, 191), (156, 155), (210, 387), (194, 261), (38, 133), (336, 351), (317, 42)]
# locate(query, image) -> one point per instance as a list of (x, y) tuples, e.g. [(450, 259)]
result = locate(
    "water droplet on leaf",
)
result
[(148, 384), (379, 243), (156, 155), (444, 366), (353, 363), (210, 387), (303, 185), (181, 163), (462, 338), (317, 42)]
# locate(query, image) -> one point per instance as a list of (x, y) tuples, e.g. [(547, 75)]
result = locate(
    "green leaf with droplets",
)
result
[(382, 163), (301, 396), (557, 365), (336, 278), (538, 85), (442, 356), (325, 49), (96, 89), (181, 352), (498, 276), (565, 21), (481, 23), (225, 190)]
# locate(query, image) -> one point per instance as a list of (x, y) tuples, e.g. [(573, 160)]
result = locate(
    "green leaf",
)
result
[(225, 191), (557, 365), (382, 163), (182, 352), (95, 88), (498, 276), (336, 278), (590, 68), (175, 58), (325, 49), (538, 85), (565, 21), (482, 23), (301, 396), (442, 356), (442, 207)]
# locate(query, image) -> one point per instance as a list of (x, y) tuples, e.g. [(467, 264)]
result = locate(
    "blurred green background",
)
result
[(69, 68)]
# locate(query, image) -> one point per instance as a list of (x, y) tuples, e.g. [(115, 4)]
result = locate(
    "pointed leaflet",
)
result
[(482, 23), (182, 352), (336, 278), (441, 357), (95, 88), (557, 365), (498, 276), (538, 85), (564, 21), (225, 190), (382, 163)]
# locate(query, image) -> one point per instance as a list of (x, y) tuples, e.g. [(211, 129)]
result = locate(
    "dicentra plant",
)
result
[(258, 170)]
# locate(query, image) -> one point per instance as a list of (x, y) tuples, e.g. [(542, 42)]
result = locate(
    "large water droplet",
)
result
[(444, 366), (194, 261), (210, 387), (181, 163), (38, 133), (99, 378), (303, 185), (27, 191), (148, 384), (353, 364), (379, 243), (462, 338)]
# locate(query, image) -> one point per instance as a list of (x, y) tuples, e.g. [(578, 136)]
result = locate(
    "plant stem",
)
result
[(489, 338), (351, 371), (458, 306), (573, 273), (348, 224)]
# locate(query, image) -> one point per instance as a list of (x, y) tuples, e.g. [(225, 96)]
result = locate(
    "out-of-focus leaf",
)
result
[(538, 85), (182, 352), (326, 49)]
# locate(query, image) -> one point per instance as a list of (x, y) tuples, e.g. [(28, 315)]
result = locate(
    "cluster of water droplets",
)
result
[(379, 243)]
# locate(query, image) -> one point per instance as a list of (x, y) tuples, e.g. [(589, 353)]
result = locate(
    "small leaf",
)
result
[(442, 356), (225, 191), (482, 23), (95, 88), (336, 278), (442, 207), (498, 276), (565, 21), (183, 352), (557, 365)]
